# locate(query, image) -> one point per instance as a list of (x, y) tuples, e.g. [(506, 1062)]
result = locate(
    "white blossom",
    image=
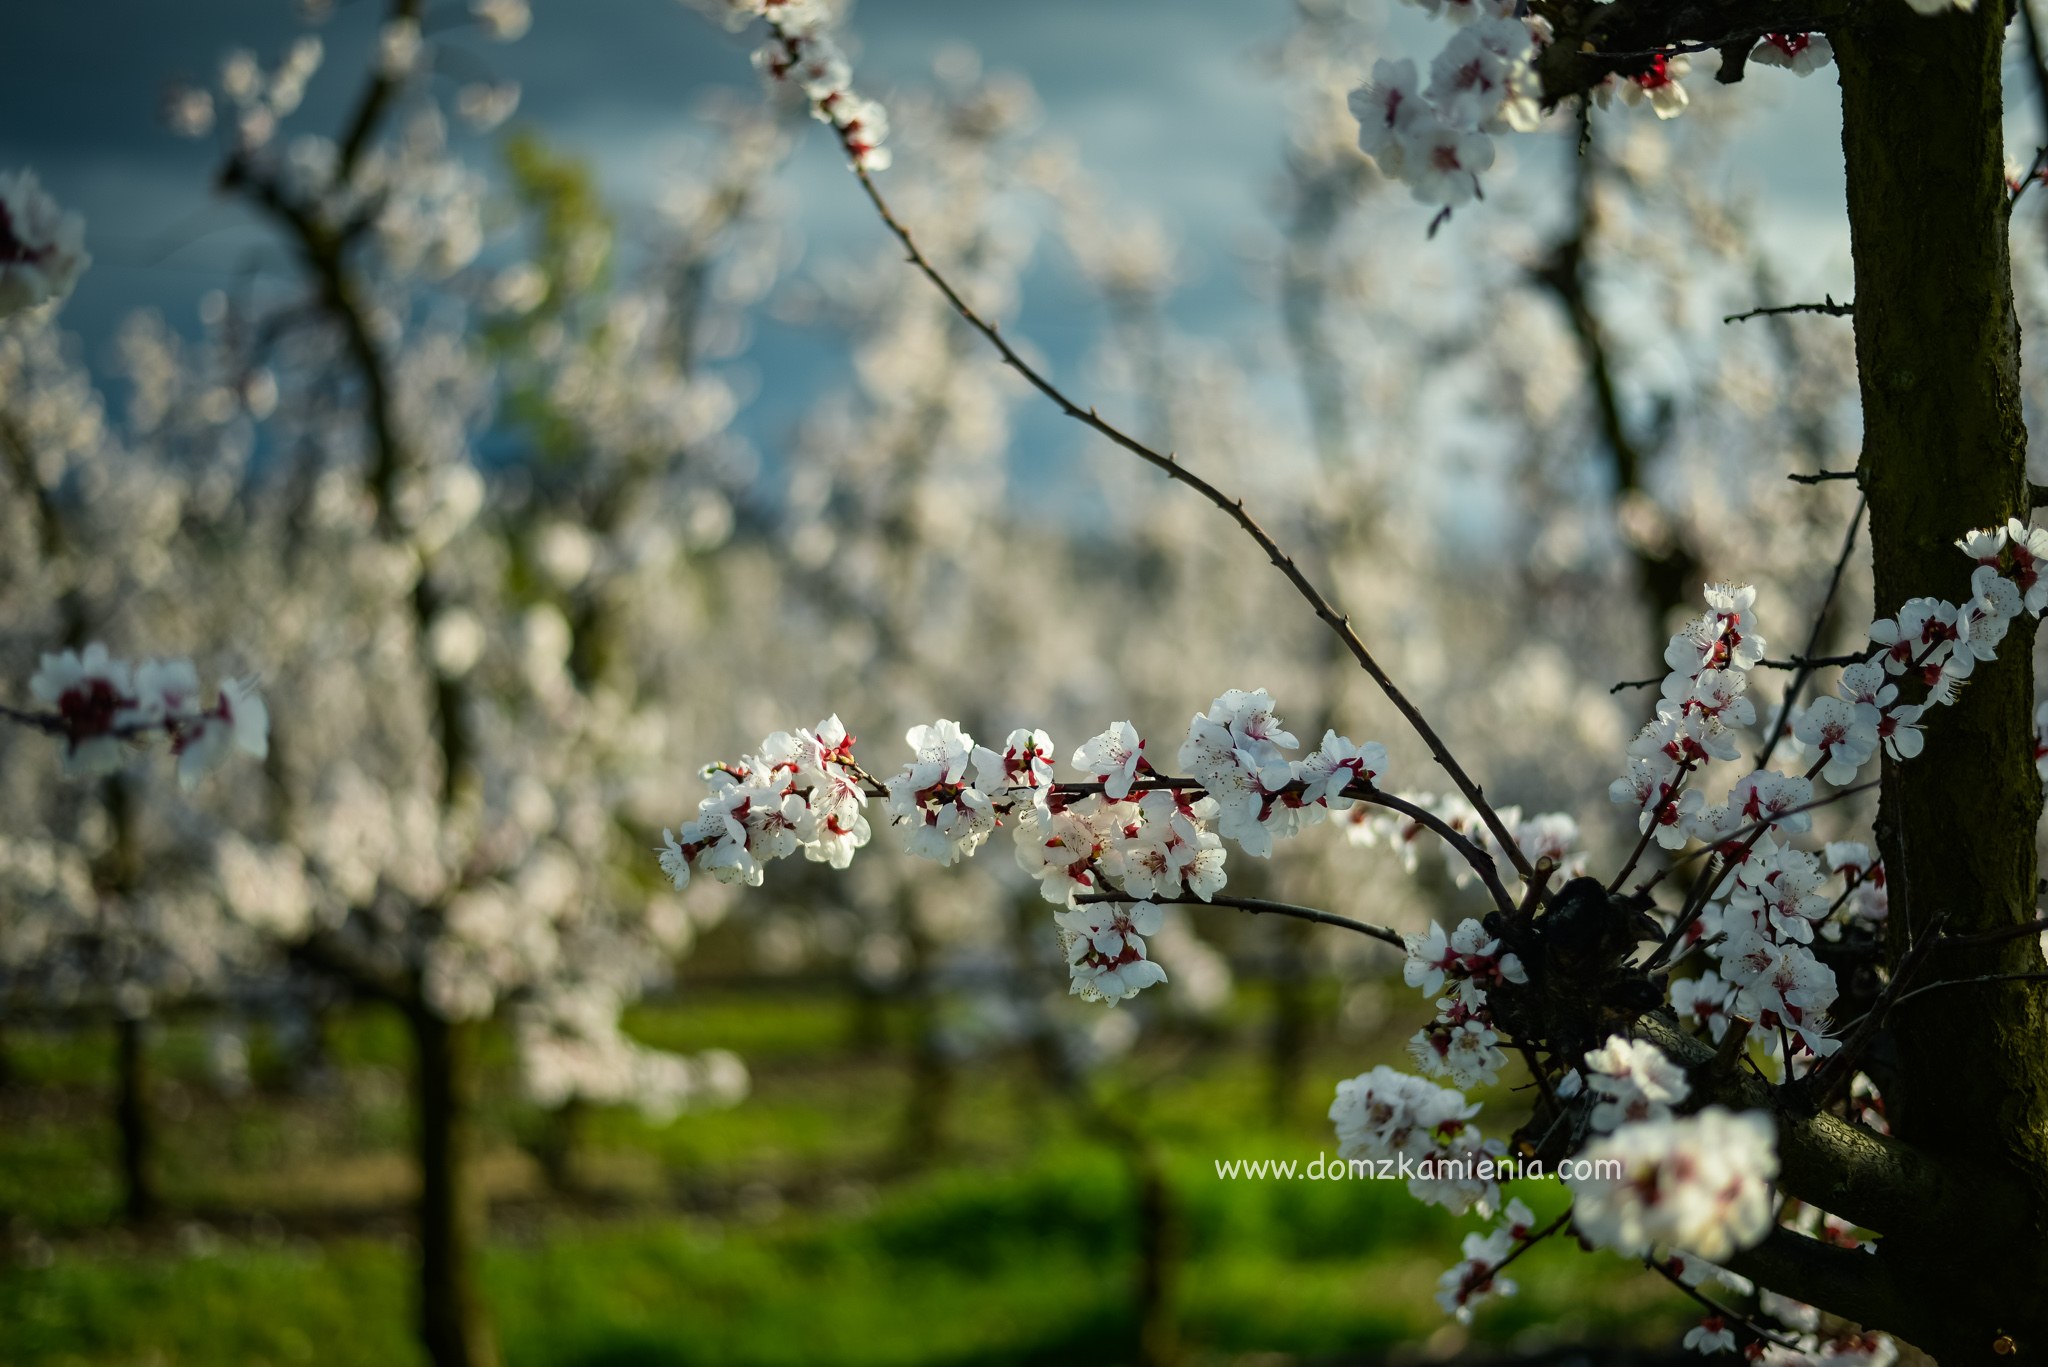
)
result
[(1701, 1182)]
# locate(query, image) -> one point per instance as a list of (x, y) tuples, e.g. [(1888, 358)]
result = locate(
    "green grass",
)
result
[(790, 1230), (959, 1267)]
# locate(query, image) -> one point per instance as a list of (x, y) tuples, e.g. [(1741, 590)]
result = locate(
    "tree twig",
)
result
[(1820, 622), (1828, 307), (1259, 906), (1231, 507)]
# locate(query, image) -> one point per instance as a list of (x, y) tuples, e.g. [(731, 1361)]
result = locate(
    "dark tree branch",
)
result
[(1846, 1282), (1259, 906), (1813, 637), (1717, 1310), (1965, 982), (1594, 41), (1827, 306), (1874, 1180)]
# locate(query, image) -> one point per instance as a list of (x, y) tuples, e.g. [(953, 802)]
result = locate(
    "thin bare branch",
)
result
[(1231, 507), (1827, 307), (1820, 623), (1260, 906)]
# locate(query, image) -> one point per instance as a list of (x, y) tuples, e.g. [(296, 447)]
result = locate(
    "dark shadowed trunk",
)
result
[(1287, 1044), (453, 1326), (927, 1107), (131, 1117), (1937, 348)]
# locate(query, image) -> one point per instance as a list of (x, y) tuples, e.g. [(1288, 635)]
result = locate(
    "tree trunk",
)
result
[(1937, 349), (131, 1116), (1288, 1040), (1158, 1260), (928, 1105), (554, 1146), (454, 1327)]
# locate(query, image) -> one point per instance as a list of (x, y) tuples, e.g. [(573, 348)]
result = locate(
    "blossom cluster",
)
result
[(1101, 849), (1386, 1114), (42, 246), (802, 53), (1460, 1043), (256, 100), (1475, 1279), (1771, 901), (1435, 136), (99, 706), (1701, 1183), (1631, 1081)]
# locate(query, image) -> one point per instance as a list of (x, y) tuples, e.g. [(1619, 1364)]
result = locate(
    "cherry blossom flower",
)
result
[(1064, 849), (1443, 163), (1711, 1335), (1920, 635), (1466, 1052), (1551, 836), (505, 21), (2041, 741), (1387, 1113), (1025, 763), (938, 814), (1700, 1182), (1463, 1288), (1780, 890), (1235, 751), (1767, 794), (1387, 109), (1336, 765), (101, 704), (1171, 850), (88, 690), (1801, 53), (1106, 949), (42, 247), (1114, 759), (1833, 728), (1703, 1000), (1658, 84), (1780, 984), (1634, 1081), (1469, 959), (238, 720), (1482, 79)]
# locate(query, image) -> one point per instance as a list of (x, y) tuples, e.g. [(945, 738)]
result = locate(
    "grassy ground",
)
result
[(791, 1230)]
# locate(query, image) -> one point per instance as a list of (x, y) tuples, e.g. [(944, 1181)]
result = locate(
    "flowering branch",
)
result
[(1715, 1311), (826, 86), (100, 707)]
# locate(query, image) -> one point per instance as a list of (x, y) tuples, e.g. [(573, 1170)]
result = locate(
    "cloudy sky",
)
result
[(1163, 99)]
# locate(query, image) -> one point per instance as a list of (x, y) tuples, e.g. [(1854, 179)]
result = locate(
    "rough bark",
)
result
[(454, 1327), (1937, 348)]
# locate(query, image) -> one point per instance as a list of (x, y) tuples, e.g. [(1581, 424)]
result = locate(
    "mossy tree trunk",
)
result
[(1937, 348), (454, 1327)]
